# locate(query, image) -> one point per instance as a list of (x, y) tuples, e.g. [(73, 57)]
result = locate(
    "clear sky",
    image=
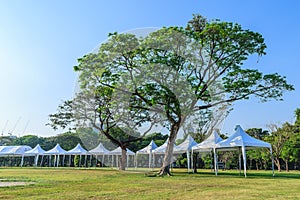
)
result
[(40, 42)]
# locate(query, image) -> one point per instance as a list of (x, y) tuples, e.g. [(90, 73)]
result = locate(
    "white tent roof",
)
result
[(37, 150), (209, 143), (100, 150), (241, 138), (148, 149), (118, 151), (186, 145), (57, 150), (162, 149), (78, 150), (14, 150)]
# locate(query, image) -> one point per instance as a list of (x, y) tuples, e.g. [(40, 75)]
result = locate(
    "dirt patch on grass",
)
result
[(6, 183)]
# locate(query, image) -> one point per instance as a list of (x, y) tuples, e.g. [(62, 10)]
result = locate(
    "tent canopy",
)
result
[(78, 150), (148, 149), (57, 150), (14, 150), (162, 149), (100, 150), (118, 151), (37, 150), (186, 145), (241, 139), (208, 144)]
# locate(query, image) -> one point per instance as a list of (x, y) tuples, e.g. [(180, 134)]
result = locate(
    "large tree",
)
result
[(173, 74)]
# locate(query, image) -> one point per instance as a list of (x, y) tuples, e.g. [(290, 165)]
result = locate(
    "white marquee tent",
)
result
[(100, 150), (14, 151), (78, 150), (185, 147), (57, 151), (241, 140), (118, 152), (36, 151), (208, 145), (161, 150), (147, 150)]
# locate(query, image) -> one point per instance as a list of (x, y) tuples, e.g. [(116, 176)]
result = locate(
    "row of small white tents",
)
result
[(240, 141), (57, 151)]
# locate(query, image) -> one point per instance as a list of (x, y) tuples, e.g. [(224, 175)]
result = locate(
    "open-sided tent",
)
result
[(14, 151), (161, 150), (148, 150), (118, 152), (186, 147), (242, 141), (36, 151), (57, 151), (208, 145), (78, 150), (100, 150)]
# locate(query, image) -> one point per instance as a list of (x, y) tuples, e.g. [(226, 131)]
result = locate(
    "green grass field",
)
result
[(64, 183)]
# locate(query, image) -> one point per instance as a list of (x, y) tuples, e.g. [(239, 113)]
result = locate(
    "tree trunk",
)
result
[(257, 167), (165, 169), (277, 163), (286, 165), (195, 162), (123, 159)]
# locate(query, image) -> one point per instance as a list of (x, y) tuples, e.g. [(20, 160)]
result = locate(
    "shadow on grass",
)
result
[(236, 174)]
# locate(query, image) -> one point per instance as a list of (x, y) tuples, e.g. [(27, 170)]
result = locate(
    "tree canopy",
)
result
[(170, 76)]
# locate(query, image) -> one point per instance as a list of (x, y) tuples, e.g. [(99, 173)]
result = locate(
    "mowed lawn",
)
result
[(64, 183)]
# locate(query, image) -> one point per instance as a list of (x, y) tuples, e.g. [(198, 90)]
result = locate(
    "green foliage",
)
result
[(285, 142), (76, 161), (297, 113), (30, 140), (158, 138), (64, 116), (6, 140), (66, 140), (181, 161)]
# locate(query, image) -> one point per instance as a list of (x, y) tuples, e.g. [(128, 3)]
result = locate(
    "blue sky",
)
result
[(40, 42)]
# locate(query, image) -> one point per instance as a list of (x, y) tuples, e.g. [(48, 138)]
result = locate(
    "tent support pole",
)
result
[(188, 160), (192, 160), (240, 165), (216, 161), (245, 161), (22, 160)]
